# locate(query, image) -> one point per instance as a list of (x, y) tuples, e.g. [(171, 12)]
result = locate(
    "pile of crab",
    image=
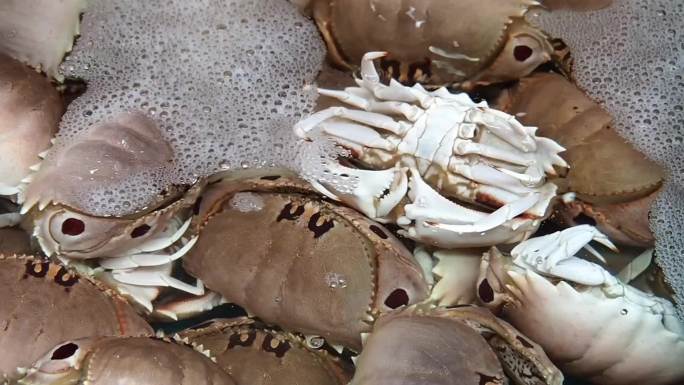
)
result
[(450, 244)]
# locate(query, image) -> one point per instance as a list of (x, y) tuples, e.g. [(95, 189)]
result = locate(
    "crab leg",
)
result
[(141, 260), (395, 91), (504, 126), (156, 276), (161, 241), (352, 96)]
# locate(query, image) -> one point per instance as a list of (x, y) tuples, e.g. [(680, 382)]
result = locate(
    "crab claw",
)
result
[(376, 192), (554, 254)]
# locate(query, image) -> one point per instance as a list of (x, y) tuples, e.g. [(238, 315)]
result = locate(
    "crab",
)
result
[(591, 324), (30, 109), (132, 360), (134, 253), (605, 193), (444, 43), (39, 32), (46, 303), (423, 345), (467, 151), (270, 244), (253, 353)]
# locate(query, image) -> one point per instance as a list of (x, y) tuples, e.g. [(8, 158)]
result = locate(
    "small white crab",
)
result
[(591, 324), (468, 152)]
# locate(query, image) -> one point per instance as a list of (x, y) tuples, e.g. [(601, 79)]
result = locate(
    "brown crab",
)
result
[(30, 109), (132, 360), (134, 253), (437, 42), (270, 244), (463, 345), (44, 304), (614, 183), (256, 355)]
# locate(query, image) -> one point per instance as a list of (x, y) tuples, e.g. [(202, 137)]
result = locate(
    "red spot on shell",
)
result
[(397, 299), (140, 231), (73, 227), (522, 52), (65, 351), (485, 292)]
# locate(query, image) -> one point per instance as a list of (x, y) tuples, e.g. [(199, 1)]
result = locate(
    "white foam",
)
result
[(630, 58), (224, 79)]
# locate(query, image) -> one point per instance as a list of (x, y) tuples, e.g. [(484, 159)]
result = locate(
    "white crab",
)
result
[(590, 323), (443, 141)]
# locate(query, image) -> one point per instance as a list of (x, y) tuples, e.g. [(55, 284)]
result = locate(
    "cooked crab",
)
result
[(610, 195), (111, 361), (44, 304), (39, 32), (463, 345), (270, 244), (254, 354), (443, 147), (443, 42), (590, 324), (134, 253), (30, 109)]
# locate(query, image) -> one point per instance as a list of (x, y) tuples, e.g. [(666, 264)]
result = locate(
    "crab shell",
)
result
[(614, 196), (293, 259), (442, 42), (71, 234), (44, 304), (30, 109), (133, 360), (462, 345), (253, 354), (39, 32), (109, 152), (629, 338)]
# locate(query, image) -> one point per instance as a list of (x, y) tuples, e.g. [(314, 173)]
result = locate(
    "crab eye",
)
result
[(397, 299), (73, 226), (522, 52), (140, 231), (65, 351)]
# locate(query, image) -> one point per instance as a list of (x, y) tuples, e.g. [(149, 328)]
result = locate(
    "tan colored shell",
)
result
[(105, 236), (299, 261), (614, 182), (462, 345), (133, 360), (30, 109), (442, 42), (107, 153), (44, 304), (255, 355)]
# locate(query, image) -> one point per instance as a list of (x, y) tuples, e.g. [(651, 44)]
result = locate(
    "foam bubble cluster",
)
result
[(225, 80), (630, 58)]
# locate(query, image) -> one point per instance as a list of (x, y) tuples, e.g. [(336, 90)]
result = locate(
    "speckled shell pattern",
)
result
[(442, 41), (614, 182), (255, 355), (299, 261), (44, 304)]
